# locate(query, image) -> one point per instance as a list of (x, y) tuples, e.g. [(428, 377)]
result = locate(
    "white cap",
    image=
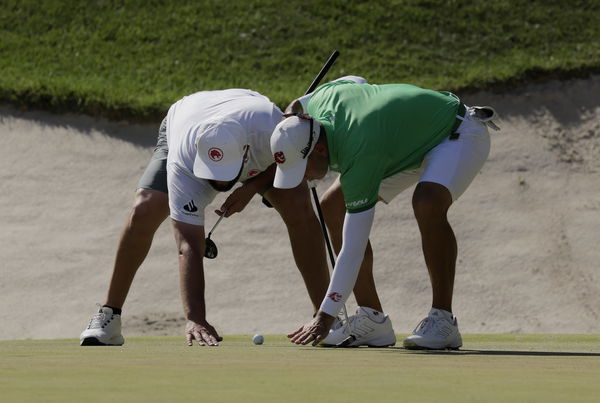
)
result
[(220, 150), (291, 145)]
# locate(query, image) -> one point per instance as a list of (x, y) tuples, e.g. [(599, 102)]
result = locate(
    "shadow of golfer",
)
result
[(496, 352)]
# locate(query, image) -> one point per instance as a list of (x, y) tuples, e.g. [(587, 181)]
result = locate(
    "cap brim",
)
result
[(223, 173), (291, 177)]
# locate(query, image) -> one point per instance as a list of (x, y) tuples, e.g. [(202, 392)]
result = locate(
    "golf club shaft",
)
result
[(217, 223), (323, 71), (310, 89)]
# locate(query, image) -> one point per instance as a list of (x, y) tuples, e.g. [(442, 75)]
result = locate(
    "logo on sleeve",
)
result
[(335, 297), (190, 207), (279, 157), (253, 172), (357, 203), (215, 154)]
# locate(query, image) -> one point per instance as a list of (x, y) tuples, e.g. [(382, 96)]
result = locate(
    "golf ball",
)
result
[(258, 339)]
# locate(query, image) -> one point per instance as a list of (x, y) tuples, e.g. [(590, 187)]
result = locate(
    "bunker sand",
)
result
[(527, 231)]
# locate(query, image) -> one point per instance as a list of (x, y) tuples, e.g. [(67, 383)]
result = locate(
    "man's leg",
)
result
[(150, 209), (306, 238), (449, 168), (431, 202), (439, 329), (334, 211)]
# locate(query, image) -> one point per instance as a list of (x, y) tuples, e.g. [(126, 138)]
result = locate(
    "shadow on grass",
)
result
[(498, 352), (523, 353)]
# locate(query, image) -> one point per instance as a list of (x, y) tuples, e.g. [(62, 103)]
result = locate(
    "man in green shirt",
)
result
[(383, 139)]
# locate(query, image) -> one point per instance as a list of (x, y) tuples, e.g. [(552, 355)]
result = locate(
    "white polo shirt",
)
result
[(188, 194)]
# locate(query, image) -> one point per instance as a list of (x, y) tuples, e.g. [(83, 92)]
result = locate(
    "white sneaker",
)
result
[(366, 329), (104, 329), (438, 331)]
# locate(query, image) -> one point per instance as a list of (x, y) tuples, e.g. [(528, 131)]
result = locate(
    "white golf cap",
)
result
[(291, 144), (219, 150)]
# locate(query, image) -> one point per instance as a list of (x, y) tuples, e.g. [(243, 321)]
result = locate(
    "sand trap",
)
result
[(528, 231)]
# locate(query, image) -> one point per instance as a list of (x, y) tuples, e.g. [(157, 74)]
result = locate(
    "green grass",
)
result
[(490, 368), (133, 58)]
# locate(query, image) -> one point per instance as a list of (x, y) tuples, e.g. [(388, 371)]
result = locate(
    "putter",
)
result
[(310, 89), (347, 341), (210, 248)]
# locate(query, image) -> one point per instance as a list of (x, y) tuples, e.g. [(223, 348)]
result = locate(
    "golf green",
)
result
[(489, 368)]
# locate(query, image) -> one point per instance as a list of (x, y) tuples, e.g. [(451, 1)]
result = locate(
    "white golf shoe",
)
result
[(368, 328), (104, 329), (438, 331)]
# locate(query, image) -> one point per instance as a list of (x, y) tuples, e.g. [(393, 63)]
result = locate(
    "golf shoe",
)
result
[(438, 331), (104, 329), (369, 328)]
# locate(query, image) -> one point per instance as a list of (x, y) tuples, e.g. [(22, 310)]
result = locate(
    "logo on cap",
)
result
[(279, 157), (215, 154)]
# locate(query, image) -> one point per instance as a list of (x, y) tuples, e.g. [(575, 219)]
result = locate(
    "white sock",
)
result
[(445, 314)]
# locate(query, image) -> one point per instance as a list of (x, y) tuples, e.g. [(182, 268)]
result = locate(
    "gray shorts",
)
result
[(155, 175)]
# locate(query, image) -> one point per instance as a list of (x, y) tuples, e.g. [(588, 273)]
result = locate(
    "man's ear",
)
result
[(321, 149)]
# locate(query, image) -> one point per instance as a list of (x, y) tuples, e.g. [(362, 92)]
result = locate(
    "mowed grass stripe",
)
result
[(545, 368)]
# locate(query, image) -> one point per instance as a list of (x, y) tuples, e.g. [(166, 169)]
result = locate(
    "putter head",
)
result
[(347, 341), (210, 249)]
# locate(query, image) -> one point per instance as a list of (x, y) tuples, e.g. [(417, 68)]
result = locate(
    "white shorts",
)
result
[(188, 195), (452, 163)]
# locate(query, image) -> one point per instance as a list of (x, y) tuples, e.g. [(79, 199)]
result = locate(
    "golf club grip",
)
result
[(323, 71)]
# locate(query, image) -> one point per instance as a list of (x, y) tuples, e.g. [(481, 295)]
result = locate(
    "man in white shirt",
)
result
[(214, 139)]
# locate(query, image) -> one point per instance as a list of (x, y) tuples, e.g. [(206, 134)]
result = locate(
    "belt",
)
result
[(460, 114)]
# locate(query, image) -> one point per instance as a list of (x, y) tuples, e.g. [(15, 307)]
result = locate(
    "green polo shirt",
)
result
[(376, 131)]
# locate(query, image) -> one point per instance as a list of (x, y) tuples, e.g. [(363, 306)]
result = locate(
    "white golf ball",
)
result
[(258, 339)]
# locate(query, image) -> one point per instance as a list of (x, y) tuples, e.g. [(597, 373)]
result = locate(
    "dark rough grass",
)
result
[(133, 58)]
